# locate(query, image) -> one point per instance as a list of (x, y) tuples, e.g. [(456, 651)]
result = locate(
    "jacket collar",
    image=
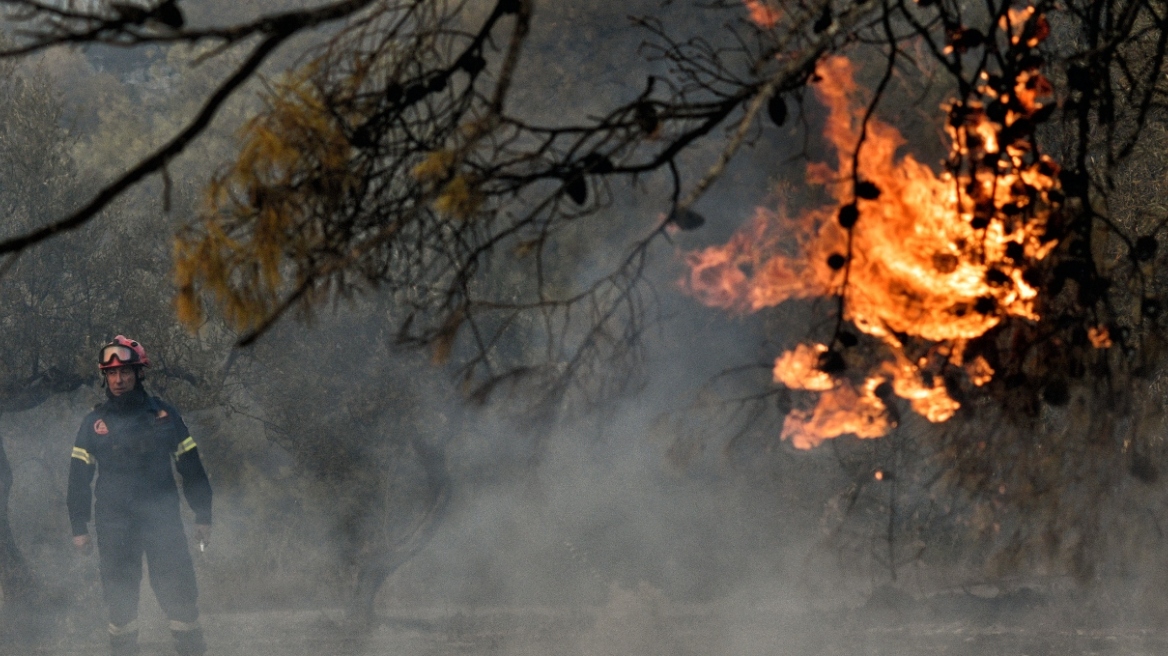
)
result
[(135, 399)]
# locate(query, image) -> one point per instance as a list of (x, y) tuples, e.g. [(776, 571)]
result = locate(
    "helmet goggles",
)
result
[(122, 352), (116, 355)]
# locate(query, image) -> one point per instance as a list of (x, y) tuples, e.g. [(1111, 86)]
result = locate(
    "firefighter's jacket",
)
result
[(130, 442)]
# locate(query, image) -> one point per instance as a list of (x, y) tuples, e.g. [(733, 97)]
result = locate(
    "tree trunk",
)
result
[(386, 558), (15, 576), (21, 592), (25, 614)]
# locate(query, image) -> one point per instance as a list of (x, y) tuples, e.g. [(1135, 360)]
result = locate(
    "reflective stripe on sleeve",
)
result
[(184, 446), (82, 455)]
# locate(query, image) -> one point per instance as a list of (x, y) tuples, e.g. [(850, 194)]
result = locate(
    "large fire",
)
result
[(935, 259)]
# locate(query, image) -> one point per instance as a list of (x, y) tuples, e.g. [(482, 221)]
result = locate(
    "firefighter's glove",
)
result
[(83, 544), (202, 535)]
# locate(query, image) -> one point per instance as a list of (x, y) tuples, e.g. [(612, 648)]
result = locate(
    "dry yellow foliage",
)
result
[(459, 199), (435, 167), (263, 210)]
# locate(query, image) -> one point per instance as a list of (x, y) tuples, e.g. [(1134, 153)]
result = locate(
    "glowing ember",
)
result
[(763, 15), (935, 259), (979, 371), (1100, 337)]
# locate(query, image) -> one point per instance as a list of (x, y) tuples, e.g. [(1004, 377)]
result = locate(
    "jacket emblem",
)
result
[(100, 428)]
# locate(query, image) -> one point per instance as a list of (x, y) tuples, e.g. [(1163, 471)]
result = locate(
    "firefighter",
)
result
[(131, 440)]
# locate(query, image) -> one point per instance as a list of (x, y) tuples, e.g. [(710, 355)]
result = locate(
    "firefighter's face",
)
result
[(121, 380)]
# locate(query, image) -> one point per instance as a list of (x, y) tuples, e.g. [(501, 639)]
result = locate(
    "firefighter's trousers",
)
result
[(156, 531)]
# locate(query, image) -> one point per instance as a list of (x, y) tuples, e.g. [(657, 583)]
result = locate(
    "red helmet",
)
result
[(122, 352)]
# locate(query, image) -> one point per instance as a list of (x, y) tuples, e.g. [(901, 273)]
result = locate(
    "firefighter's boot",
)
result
[(188, 640), (124, 639)]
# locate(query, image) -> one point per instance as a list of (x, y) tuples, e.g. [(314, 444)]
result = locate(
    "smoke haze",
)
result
[(669, 520)]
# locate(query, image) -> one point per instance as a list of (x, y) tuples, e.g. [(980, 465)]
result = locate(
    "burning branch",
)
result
[(922, 263)]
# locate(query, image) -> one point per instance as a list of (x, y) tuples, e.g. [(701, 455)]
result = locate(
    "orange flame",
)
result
[(799, 369), (940, 258), (840, 410)]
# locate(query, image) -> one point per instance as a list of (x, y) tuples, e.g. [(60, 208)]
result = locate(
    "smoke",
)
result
[(582, 533), (660, 522), (584, 536)]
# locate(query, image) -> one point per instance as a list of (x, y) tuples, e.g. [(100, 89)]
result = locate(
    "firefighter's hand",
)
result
[(82, 543), (202, 536)]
